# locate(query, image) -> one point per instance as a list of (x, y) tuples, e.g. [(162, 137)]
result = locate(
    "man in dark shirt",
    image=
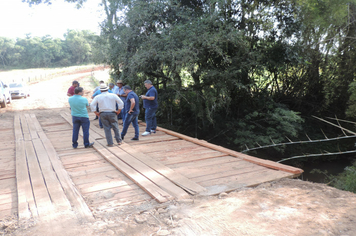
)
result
[(71, 88), (150, 104), (133, 110)]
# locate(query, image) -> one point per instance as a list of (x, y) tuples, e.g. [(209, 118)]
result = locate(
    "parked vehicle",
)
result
[(5, 96), (19, 90)]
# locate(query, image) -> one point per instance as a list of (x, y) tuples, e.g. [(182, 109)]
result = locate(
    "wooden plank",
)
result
[(108, 196), (8, 197), (80, 158), (258, 161), (102, 185), (192, 157), (75, 172), (6, 174), (148, 172), (9, 212), (72, 193), (246, 180), (152, 139), (122, 202), (172, 175), (197, 170), (42, 199), (88, 164), (54, 187), (9, 205), (107, 175), (78, 151), (153, 190), (205, 162), (227, 173), (31, 127), (174, 145), (24, 128), (26, 202)]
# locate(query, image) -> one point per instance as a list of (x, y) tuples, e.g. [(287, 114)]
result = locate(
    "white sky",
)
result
[(17, 18)]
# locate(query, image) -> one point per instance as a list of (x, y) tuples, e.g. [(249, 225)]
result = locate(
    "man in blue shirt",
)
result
[(122, 95), (133, 110), (150, 104), (80, 117)]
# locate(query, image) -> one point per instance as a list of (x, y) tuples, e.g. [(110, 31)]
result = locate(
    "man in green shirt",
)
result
[(80, 117)]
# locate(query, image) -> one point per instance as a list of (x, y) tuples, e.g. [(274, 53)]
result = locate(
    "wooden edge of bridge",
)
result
[(255, 160), (43, 185)]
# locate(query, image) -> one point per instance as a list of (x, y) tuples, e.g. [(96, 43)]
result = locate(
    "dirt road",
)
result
[(286, 207)]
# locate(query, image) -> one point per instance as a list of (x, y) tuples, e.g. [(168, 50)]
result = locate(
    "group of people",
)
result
[(109, 104)]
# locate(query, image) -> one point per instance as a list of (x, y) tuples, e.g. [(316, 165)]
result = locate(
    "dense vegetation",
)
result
[(36, 52), (238, 72)]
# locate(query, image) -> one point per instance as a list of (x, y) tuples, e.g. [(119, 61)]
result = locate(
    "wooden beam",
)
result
[(26, 202), (258, 161), (172, 175), (148, 172), (153, 190), (71, 191)]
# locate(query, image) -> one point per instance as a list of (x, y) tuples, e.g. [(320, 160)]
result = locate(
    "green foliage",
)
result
[(35, 52), (346, 180)]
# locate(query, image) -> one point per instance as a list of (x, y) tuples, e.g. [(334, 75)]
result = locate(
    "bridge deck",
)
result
[(162, 166)]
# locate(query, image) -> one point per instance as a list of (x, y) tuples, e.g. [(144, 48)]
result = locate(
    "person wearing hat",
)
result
[(122, 95), (107, 103), (97, 109), (78, 106)]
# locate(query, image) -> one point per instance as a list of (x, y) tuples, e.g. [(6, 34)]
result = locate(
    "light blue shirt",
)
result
[(99, 92), (78, 106)]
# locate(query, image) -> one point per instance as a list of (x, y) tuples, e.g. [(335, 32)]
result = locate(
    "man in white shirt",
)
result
[(107, 111)]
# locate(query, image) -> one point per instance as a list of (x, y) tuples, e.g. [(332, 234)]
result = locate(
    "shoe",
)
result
[(134, 139), (110, 145), (122, 137), (101, 127), (74, 147), (90, 145), (146, 133), (96, 118), (153, 131)]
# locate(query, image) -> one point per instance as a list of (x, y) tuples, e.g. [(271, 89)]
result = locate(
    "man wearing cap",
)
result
[(70, 91), (122, 95), (80, 117), (150, 104), (107, 111), (132, 105)]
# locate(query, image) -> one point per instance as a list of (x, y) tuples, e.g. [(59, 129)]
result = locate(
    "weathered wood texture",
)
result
[(8, 190), (44, 188)]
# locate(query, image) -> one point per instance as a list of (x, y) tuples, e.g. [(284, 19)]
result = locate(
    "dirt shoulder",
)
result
[(284, 207)]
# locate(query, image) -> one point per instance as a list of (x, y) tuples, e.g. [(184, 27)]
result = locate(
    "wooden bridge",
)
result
[(41, 175)]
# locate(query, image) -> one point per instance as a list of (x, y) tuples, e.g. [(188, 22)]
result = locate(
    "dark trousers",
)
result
[(85, 124), (150, 118), (128, 120)]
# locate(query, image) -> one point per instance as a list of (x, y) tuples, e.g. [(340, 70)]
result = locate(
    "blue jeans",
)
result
[(85, 123), (109, 120), (150, 117), (130, 118)]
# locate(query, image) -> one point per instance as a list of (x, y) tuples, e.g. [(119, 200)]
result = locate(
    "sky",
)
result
[(18, 19)]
